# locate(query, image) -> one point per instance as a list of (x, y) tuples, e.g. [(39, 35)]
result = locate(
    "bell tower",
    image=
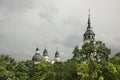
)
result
[(89, 35)]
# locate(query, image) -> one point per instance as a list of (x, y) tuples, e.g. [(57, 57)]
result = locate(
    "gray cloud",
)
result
[(23, 23), (73, 41), (15, 5), (48, 13)]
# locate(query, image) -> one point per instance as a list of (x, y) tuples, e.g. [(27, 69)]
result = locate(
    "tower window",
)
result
[(92, 37), (88, 37)]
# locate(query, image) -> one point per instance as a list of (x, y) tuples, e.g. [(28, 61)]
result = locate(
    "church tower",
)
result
[(57, 57), (89, 35), (37, 57), (45, 56)]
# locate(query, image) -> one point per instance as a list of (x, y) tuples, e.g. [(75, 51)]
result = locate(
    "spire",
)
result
[(89, 35), (37, 49), (89, 20), (45, 46), (45, 53), (57, 57), (56, 54), (56, 48)]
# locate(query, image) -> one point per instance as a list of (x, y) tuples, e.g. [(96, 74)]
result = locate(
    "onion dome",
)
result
[(45, 56), (45, 53), (37, 57), (57, 54), (57, 57)]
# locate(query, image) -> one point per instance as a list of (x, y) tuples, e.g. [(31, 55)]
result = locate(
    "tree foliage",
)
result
[(95, 71), (7, 66), (116, 61), (96, 51), (91, 62)]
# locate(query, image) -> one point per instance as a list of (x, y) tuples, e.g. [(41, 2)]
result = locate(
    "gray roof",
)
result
[(89, 32), (89, 28), (37, 58)]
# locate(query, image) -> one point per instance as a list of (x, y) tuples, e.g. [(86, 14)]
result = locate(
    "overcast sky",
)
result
[(56, 23)]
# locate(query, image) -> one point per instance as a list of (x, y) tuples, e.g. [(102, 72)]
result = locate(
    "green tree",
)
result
[(62, 71), (109, 71), (96, 51), (40, 71), (7, 66), (76, 55), (97, 71), (89, 70), (70, 69), (29, 64), (116, 61), (22, 71)]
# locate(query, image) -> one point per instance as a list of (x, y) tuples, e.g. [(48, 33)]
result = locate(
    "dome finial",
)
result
[(45, 46), (56, 48), (45, 53), (37, 45), (89, 20), (37, 49), (89, 11)]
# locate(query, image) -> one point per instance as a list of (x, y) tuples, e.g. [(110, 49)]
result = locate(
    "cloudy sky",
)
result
[(56, 23)]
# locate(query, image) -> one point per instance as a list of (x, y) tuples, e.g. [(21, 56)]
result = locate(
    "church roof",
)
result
[(89, 28), (89, 32), (57, 54), (45, 53), (37, 57), (37, 49)]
